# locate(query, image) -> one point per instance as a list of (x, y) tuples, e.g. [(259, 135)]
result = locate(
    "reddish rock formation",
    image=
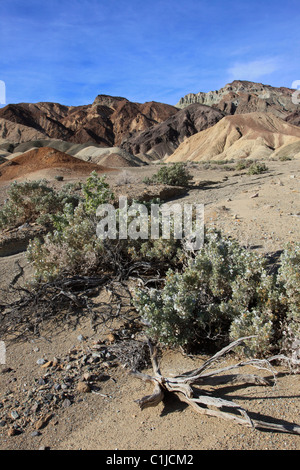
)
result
[(106, 122), (45, 158)]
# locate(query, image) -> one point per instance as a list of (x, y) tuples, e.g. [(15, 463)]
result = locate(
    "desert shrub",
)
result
[(73, 247), (222, 162), (96, 191), (125, 178), (219, 293), (289, 288), (243, 164), (175, 174), (224, 291), (257, 168), (163, 252), (34, 201)]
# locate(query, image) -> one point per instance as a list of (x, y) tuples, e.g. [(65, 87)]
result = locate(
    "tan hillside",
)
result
[(108, 156), (45, 158), (14, 132), (252, 135)]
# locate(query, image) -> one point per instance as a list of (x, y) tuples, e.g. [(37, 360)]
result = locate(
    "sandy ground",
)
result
[(262, 212)]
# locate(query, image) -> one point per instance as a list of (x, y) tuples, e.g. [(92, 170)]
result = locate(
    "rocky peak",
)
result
[(109, 101), (241, 96)]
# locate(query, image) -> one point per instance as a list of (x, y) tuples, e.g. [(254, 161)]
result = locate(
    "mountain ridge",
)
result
[(242, 96), (107, 121), (150, 130)]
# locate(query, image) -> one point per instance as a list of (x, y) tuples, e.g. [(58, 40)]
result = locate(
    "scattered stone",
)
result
[(47, 364), (254, 195), (83, 387), (87, 376), (111, 338), (35, 408), (55, 362), (14, 414), (5, 370), (43, 421), (13, 432), (106, 364), (40, 362), (78, 372), (66, 403)]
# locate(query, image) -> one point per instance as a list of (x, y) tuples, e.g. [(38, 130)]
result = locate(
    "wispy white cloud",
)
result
[(254, 69)]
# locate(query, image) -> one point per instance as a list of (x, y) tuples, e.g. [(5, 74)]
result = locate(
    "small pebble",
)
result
[(40, 362), (66, 403), (14, 414)]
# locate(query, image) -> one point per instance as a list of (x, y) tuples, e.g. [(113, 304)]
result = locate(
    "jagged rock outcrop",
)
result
[(252, 135), (294, 118), (242, 96), (162, 140), (106, 122)]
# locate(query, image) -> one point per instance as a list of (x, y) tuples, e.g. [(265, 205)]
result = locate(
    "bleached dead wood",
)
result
[(183, 386)]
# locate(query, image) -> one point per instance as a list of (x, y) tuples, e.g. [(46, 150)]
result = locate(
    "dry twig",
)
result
[(184, 387)]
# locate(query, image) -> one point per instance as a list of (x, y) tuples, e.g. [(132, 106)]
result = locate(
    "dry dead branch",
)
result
[(184, 387), (24, 310)]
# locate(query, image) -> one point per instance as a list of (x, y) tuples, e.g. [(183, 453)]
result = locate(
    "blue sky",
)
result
[(69, 51)]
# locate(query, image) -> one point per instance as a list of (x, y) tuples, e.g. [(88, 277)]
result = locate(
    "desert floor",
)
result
[(263, 213)]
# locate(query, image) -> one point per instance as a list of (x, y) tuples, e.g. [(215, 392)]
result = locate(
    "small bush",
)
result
[(125, 178), (243, 164), (96, 191), (73, 247), (257, 168), (289, 287), (285, 158), (223, 291), (175, 174), (34, 201)]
